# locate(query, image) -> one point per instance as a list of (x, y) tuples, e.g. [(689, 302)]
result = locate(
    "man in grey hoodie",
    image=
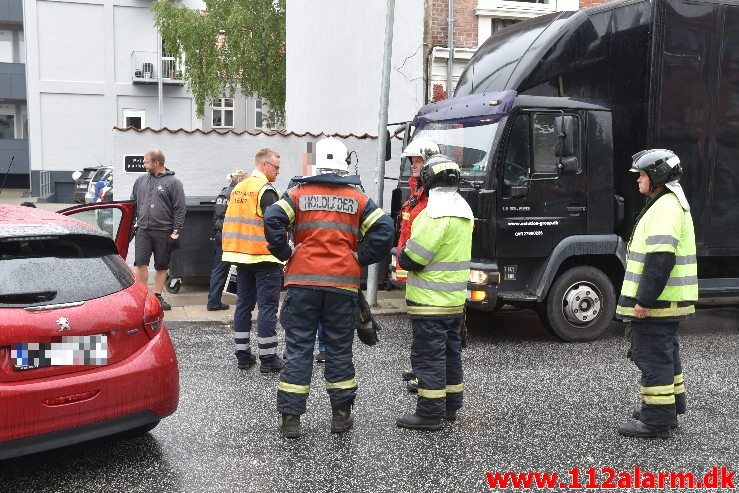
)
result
[(160, 216)]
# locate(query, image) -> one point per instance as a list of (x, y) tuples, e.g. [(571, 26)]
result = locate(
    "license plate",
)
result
[(70, 351)]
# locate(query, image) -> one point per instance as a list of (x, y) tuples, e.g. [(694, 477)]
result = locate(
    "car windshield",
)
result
[(40, 271), (469, 146)]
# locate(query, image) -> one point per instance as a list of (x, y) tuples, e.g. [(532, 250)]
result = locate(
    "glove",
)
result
[(368, 328)]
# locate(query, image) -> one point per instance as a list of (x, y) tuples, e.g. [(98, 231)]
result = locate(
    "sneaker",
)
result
[(321, 357), (165, 306), (219, 306), (245, 364), (274, 367), (289, 425)]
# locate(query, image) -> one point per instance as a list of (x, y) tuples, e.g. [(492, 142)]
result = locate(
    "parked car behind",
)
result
[(82, 183), (103, 173), (84, 351)]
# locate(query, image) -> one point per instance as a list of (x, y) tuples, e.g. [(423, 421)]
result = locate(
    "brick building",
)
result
[(473, 23)]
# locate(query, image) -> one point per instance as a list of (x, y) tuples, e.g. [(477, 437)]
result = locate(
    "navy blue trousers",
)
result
[(436, 359), (302, 310), (656, 352), (257, 285), (218, 274)]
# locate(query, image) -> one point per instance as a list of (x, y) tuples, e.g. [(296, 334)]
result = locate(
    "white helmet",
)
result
[(424, 148), (331, 157)]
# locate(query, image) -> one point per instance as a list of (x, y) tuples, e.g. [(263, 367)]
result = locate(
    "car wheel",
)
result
[(580, 305)]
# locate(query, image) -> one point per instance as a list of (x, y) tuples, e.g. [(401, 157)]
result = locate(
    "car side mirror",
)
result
[(563, 127), (568, 166), (76, 175)]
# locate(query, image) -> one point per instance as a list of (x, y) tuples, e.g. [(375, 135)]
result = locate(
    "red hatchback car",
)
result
[(84, 352)]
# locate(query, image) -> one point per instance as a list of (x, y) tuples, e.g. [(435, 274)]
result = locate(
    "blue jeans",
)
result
[(218, 275), (257, 285)]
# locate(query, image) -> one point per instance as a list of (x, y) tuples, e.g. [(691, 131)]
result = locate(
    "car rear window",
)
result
[(87, 174), (59, 269)]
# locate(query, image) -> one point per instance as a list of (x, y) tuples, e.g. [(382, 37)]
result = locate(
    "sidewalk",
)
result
[(189, 305)]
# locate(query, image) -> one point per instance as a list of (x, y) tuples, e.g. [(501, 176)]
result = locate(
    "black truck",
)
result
[(544, 121)]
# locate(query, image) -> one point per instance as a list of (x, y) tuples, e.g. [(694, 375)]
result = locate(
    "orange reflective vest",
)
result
[(243, 239), (326, 226)]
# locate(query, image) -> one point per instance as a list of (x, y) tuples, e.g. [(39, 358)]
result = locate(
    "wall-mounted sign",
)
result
[(133, 163)]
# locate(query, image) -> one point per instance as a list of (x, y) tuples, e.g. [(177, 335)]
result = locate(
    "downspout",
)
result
[(450, 38)]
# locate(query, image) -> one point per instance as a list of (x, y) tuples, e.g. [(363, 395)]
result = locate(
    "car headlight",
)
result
[(478, 277)]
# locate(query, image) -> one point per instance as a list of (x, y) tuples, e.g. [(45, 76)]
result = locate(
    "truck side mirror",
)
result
[(76, 175), (388, 151), (563, 127), (568, 165)]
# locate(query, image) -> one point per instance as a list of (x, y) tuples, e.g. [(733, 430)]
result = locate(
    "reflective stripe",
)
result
[(266, 351), (659, 400), (672, 281), (292, 388), (342, 385), (242, 347), (319, 278), (371, 219), (679, 389), (436, 286), (679, 260), (244, 220), (435, 310), (327, 225), (432, 393), (447, 266), (662, 240), (658, 390), (679, 378), (242, 236), (285, 205), (455, 388), (419, 250), (267, 340), (673, 311)]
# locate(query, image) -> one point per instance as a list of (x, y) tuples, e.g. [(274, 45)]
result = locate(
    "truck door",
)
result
[(538, 206)]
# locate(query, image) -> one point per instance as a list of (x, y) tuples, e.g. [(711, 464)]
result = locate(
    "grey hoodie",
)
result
[(160, 202)]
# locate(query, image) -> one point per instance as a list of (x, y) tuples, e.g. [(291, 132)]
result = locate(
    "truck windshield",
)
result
[(468, 146)]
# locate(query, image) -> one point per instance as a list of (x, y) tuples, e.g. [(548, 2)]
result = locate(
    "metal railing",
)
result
[(144, 68)]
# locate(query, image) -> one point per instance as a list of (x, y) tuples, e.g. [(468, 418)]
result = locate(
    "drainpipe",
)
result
[(450, 38), (160, 82)]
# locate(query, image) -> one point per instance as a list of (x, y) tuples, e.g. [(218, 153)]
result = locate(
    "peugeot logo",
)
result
[(63, 323)]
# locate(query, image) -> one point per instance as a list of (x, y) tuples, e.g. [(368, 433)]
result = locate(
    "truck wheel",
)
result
[(580, 305)]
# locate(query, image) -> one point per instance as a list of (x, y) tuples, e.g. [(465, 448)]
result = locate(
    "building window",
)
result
[(134, 118), (7, 126), (21, 47), (6, 46), (223, 113), (259, 116), (498, 24)]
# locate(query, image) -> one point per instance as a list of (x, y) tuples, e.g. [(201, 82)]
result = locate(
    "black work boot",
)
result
[(636, 414), (342, 419), (289, 425), (417, 422), (637, 429), (408, 375), (451, 415)]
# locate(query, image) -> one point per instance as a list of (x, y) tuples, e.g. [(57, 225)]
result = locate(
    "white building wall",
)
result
[(334, 64), (202, 160), (79, 81)]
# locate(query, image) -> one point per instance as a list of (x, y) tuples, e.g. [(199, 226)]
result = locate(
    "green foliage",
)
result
[(233, 45)]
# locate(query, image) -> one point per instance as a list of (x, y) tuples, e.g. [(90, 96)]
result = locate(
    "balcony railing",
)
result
[(144, 69)]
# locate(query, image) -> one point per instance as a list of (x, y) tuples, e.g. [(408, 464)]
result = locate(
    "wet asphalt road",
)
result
[(531, 403)]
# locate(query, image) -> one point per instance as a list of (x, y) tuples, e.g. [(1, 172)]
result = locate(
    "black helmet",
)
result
[(661, 166), (439, 171)]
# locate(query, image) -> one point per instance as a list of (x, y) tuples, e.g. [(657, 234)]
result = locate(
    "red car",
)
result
[(84, 352)]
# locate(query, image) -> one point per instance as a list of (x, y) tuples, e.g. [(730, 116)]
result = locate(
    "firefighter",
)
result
[(437, 258), (327, 214), (660, 288), (417, 151)]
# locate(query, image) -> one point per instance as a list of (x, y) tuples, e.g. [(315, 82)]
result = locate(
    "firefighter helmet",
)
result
[(424, 148), (331, 157), (440, 171), (661, 166)]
